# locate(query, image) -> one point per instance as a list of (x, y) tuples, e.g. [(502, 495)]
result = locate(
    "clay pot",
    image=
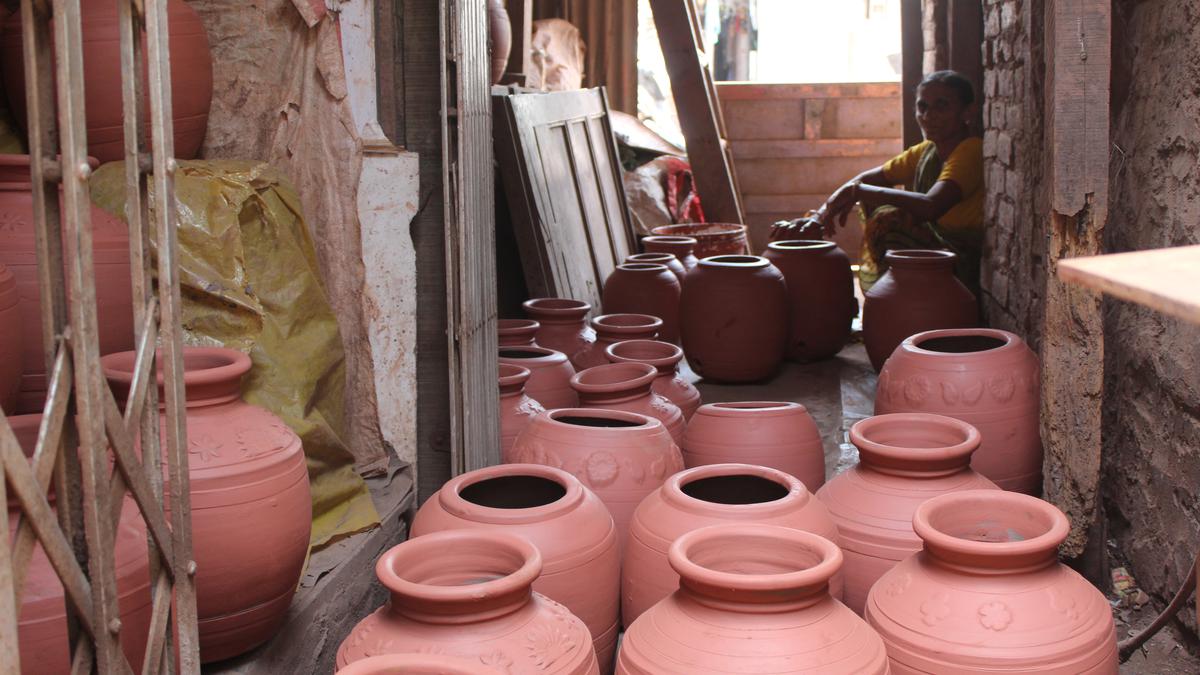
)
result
[(820, 294), (627, 386), (191, 77), (734, 318), (752, 599), (985, 377), (499, 38), (621, 456), (516, 409), (679, 246), (562, 325), (778, 434), (667, 259), (665, 358), (569, 525), (18, 251), (11, 344), (711, 238), (417, 664), (919, 292), (987, 594), (645, 288), (517, 332), (550, 375), (613, 328), (468, 594), (904, 459), (710, 495), (42, 619), (251, 506)]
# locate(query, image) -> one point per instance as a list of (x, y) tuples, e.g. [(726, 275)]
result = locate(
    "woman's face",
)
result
[(939, 111)]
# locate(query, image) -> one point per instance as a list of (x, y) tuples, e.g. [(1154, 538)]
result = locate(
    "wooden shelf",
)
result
[(1165, 279)]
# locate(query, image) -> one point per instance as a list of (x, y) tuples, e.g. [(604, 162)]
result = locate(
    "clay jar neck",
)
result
[(613, 383), (953, 342), (517, 331), (914, 445), (511, 494), (534, 356), (512, 380), (645, 271), (920, 263), (211, 375), (557, 312), (802, 247), (612, 328), (734, 264), (680, 247), (754, 569), (663, 356), (748, 491), (990, 532)]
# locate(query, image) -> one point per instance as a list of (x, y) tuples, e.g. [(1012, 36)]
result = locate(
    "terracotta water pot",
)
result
[(554, 511), (710, 495), (752, 599), (820, 294), (778, 434), (987, 594), (613, 328), (11, 341), (679, 246), (665, 358), (628, 386), (516, 408), (550, 375), (251, 506), (645, 288), (904, 459), (985, 377), (734, 318), (621, 456), (42, 620), (499, 38), (191, 77), (919, 292), (562, 325), (468, 594), (18, 252), (667, 259), (517, 332), (711, 238), (417, 664)]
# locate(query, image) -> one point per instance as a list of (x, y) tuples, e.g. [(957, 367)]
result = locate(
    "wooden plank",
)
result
[(766, 91), (912, 56), (763, 119), (802, 175), (868, 148), (520, 59), (10, 653), (1163, 279), (965, 35)]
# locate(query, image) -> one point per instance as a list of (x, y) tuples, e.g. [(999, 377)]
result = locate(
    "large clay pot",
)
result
[(679, 246), (499, 38), (778, 434), (468, 594), (550, 375), (985, 377), (711, 238), (645, 288), (417, 664), (516, 408), (904, 459), (251, 506), (42, 619), (621, 456), (751, 599), (667, 259), (562, 325), (567, 522), (11, 344), (734, 318), (665, 358), (191, 77), (627, 386), (710, 495), (987, 594), (517, 332), (919, 292), (820, 293), (613, 328), (18, 251)]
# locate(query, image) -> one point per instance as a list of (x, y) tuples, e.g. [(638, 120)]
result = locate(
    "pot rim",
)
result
[(512, 375), (816, 576), (451, 499), (543, 354), (920, 258), (626, 322), (516, 326), (1009, 341), (556, 309), (806, 245), (756, 408), (735, 261), (651, 257), (387, 664), (611, 378), (644, 268), (672, 354), (679, 240), (672, 489), (200, 382), (398, 560), (638, 421), (707, 230), (930, 460), (999, 505)]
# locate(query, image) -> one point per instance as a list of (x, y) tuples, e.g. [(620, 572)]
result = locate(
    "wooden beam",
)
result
[(1165, 279), (965, 33), (912, 57), (520, 59)]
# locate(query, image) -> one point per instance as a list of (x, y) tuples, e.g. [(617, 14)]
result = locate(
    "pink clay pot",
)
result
[(679, 246), (550, 375), (665, 358), (710, 495), (628, 386), (820, 294), (904, 459), (987, 594), (667, 259), (645, 288), (562, 325), (778, 434), (988, 378), (468, 594), (752, 599), (613, 328), (417, 664), (11, 347), (517, 332), (516, 409), (554, 511)]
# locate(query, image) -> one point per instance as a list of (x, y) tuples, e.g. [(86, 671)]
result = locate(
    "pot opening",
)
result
[(627, 321), (981, 522), (734, 259), (600, 422), (643, 267), (513, 492), (457, 563), (516, 324), (751, 405), (915, 435), (660, 258), (614, 374), (961, 344), (510, 353), (753, 554), (644, 350), (735, 489), (556, 303)]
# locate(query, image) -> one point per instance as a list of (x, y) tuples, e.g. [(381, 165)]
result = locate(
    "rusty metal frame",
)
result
[(79, 538)]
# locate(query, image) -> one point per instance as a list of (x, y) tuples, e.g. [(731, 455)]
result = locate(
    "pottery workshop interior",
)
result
[(595, 337)]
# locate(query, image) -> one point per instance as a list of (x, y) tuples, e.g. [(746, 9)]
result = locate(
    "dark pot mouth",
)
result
[(517, 491), (961, 341), (742, 261), (652, 258), (511, 494), (599, 418), (920, 258), (627, 323), (801, 245), (563, 309), (643, 268), (736, 489), (745, 488), (671, 240), (526, 352)]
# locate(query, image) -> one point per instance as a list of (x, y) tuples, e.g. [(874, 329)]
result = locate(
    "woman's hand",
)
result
[(836, 209), (807, 227)]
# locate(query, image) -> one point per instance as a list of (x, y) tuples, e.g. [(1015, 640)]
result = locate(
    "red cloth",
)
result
[(683, 202)]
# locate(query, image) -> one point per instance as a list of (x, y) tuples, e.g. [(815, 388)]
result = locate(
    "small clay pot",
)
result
[(516, 409), (613, 328), (679, 246), (710, 495), (10, 342), (417, 664), (628, 386), (778, 434), (987, 594), (667, 259), (562, 325), (752, 599), (711, 238), (988, 378), (645, 288), (468, 594), (820, 294), (550, 375), (919, 292), (734, 318), (665, 358), (517, 332)]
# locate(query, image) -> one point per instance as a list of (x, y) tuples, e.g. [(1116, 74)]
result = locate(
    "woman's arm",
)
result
[(800, 226), (923, 206)]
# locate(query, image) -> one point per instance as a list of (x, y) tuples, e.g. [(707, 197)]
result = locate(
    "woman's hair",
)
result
[(951, 78)]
